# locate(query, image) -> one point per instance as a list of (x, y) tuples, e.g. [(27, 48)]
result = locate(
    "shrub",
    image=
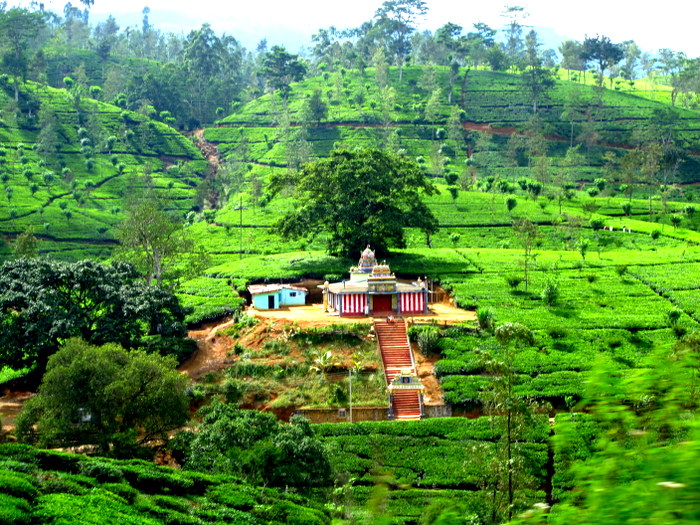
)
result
[(513, 281), (485, 318), (557, 332), (18, 485), (101, 471), (550, 293), (429, 340), (673, 316), (655, 234), (597, 224), (621, 269), (14, 511), (54, 483)]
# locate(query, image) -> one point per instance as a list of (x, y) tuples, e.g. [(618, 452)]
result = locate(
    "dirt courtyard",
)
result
[(313, 315)]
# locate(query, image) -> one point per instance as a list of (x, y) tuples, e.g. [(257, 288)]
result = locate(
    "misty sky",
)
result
[(672, 23)]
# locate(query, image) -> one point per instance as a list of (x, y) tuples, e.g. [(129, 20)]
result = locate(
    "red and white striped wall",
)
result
[(354, 304), (412, 303)]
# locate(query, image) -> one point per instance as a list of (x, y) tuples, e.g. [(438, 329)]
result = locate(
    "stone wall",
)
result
[(333, 415), (437, 411)]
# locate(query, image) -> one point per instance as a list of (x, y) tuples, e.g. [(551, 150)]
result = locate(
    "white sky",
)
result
[(670, 23)]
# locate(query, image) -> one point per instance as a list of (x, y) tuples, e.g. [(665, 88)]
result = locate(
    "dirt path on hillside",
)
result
[(212, 349), (10, 405)]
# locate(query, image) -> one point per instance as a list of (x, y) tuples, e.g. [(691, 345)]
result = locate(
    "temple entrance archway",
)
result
[(381, 303)]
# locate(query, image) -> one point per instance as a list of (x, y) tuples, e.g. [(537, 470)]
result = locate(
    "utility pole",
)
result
[(350, 380), (240, 227)]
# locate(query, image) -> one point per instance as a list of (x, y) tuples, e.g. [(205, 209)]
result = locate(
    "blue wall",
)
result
[(284, 297), (260, 301), (292, 297)]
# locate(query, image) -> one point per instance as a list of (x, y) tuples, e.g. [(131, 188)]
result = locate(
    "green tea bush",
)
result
[(513, 281), (96, 508), (17, 466), (123, 490), (485, 318), (232, 495), (428, 339), (14, 510), (18, 485), (101, 471), (55, 482), (550, 293), (446, 367)]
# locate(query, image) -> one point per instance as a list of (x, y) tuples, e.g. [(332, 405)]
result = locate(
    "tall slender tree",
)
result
[(395, 21)]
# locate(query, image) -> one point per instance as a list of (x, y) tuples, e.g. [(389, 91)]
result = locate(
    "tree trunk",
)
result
[(510, 466), (464, 89)]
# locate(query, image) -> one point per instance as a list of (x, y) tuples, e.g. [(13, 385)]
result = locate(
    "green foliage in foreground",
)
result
[(44, 302), (42, 486), (422, 462), (633, 455), (256, 446), (106, 396)]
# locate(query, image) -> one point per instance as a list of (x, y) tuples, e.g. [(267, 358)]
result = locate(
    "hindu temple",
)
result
[(372, 289)]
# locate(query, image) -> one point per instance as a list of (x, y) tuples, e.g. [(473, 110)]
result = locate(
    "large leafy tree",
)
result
[(107, 396), (19, 29), (601, 51), (360, 197), (44, 302), (280, 69)]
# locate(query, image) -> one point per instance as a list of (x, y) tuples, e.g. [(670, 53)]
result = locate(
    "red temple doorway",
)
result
[(381, 303)]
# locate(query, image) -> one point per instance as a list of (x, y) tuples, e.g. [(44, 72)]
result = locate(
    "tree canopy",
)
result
[(106, 396), (44, 302), (280, 69), (360, 197), (255, 445), (156, 241)]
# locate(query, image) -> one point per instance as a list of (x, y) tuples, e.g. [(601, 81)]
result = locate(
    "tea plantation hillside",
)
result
[(478, 141), (459, 128), (67, 163), (389, 469), (41, 486)]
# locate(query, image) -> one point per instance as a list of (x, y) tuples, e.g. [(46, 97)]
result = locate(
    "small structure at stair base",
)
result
[(373, 289), (406, 396), (406, 380)]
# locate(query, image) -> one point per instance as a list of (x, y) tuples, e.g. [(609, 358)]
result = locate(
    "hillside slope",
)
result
[(67, 162), (418, 117)]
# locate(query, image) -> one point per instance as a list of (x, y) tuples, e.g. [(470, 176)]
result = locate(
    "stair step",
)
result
[(397, 358)]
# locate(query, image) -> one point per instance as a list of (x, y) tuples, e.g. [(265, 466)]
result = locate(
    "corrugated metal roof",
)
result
[(256, 289)]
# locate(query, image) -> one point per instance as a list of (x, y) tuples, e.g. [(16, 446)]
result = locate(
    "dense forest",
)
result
[(148, 178)]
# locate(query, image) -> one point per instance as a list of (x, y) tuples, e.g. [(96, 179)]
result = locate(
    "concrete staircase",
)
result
[(397, 357)]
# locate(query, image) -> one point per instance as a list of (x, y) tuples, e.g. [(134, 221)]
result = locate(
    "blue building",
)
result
[(274, 296)]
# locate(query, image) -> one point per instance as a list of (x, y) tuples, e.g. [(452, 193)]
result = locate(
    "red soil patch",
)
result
[(10, 405)]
